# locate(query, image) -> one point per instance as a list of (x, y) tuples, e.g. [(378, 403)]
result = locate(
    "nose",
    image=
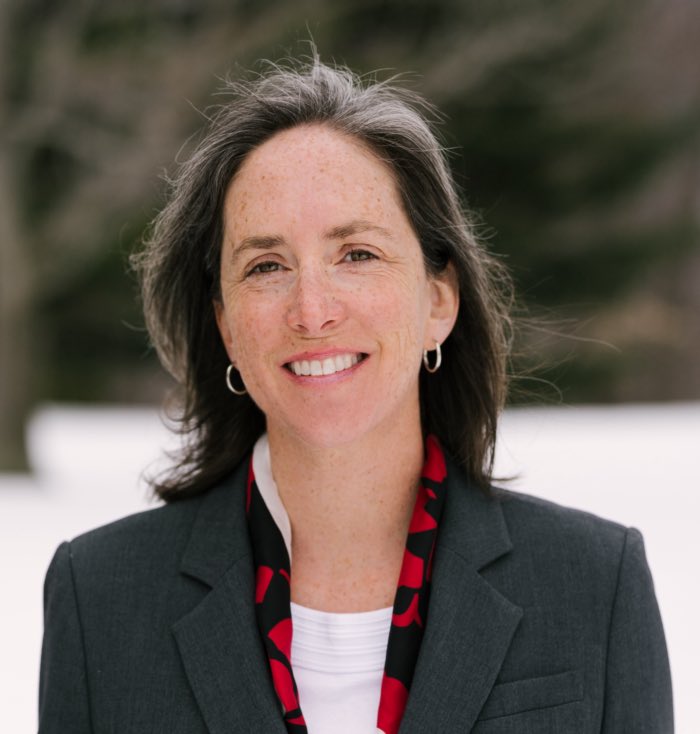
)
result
[(314, 306)]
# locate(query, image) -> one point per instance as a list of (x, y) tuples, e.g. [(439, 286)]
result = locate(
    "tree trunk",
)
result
[(16, 364)]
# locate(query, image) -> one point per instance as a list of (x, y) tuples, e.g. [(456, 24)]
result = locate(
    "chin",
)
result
[(329, 424), (329, 431)]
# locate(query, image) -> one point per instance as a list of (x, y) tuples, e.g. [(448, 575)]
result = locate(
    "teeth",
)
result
[(328, 366)]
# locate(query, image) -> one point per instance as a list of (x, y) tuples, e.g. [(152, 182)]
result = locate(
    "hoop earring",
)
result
[(438, 359), (229, 370)]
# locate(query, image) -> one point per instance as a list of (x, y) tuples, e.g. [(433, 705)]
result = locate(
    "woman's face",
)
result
[(326, 306)]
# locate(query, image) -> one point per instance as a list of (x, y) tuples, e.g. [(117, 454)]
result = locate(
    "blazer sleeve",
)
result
[(638, 679), (63, 691)]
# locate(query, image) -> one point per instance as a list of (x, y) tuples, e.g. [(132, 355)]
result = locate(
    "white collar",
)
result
[(262, 468)]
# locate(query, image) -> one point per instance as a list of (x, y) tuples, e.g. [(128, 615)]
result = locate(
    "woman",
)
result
[(341, 340)]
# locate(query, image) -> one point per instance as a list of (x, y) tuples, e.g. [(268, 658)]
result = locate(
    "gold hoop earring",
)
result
[(229, 385), (438, 359)]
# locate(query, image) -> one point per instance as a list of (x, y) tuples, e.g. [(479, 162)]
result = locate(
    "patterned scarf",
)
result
[(272, 596)]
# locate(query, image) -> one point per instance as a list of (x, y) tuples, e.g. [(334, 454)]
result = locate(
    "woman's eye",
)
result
[(359, 255), (264, 267)]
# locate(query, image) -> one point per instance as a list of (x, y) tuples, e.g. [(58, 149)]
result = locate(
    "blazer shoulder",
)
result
[(534, 520), (154, 542), (152, 527), (566, 558)]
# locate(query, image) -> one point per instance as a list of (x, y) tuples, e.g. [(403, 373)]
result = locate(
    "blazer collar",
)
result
[(469, 629), (470, 624), (219, 536), (473, 526), (222, 653)]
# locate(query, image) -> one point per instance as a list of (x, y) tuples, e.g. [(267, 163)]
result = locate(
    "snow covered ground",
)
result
[(634, 464)]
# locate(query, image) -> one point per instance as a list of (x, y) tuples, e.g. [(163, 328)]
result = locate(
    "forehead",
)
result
[(313, 159), (296, 144)]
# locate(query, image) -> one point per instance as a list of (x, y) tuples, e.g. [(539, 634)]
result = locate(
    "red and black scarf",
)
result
[(272, 596)]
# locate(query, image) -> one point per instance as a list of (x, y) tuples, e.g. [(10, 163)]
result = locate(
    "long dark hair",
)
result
[(179, 266)]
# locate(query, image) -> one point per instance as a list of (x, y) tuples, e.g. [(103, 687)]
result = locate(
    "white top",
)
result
[(338, 663), (337, 658)]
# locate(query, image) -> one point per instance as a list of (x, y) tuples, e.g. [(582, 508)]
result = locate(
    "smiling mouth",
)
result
[(327, 366)]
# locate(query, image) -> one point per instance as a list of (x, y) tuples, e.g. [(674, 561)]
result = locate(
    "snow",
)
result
[(633, 464)]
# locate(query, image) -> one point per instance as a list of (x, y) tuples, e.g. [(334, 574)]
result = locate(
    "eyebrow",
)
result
[(269, 242), (356, 227), (257, 242)]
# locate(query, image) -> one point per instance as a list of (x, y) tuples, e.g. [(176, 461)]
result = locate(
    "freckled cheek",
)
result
[(401, 345), (257, 341), (401, 314)]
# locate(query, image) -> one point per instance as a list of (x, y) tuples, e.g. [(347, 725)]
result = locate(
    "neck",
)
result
[(349, 506), (373, 480)]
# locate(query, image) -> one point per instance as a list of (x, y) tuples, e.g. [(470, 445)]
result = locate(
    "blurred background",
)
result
[(574, 131)]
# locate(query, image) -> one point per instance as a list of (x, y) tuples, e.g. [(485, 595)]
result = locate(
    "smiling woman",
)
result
[(387, 130), (332, 557)]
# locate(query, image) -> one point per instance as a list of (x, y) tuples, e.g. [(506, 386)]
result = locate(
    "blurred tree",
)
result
[(578, 126)]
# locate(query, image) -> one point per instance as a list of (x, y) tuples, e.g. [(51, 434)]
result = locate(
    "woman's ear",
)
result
[(444, 306), (222, 324)]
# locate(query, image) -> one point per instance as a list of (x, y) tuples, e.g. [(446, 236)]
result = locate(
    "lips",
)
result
[(326, 366)]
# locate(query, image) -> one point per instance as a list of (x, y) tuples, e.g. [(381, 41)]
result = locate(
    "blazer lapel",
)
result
[(470, 624), (221, 651)]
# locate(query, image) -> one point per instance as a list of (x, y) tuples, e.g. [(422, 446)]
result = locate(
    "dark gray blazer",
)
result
[(542, 619)]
